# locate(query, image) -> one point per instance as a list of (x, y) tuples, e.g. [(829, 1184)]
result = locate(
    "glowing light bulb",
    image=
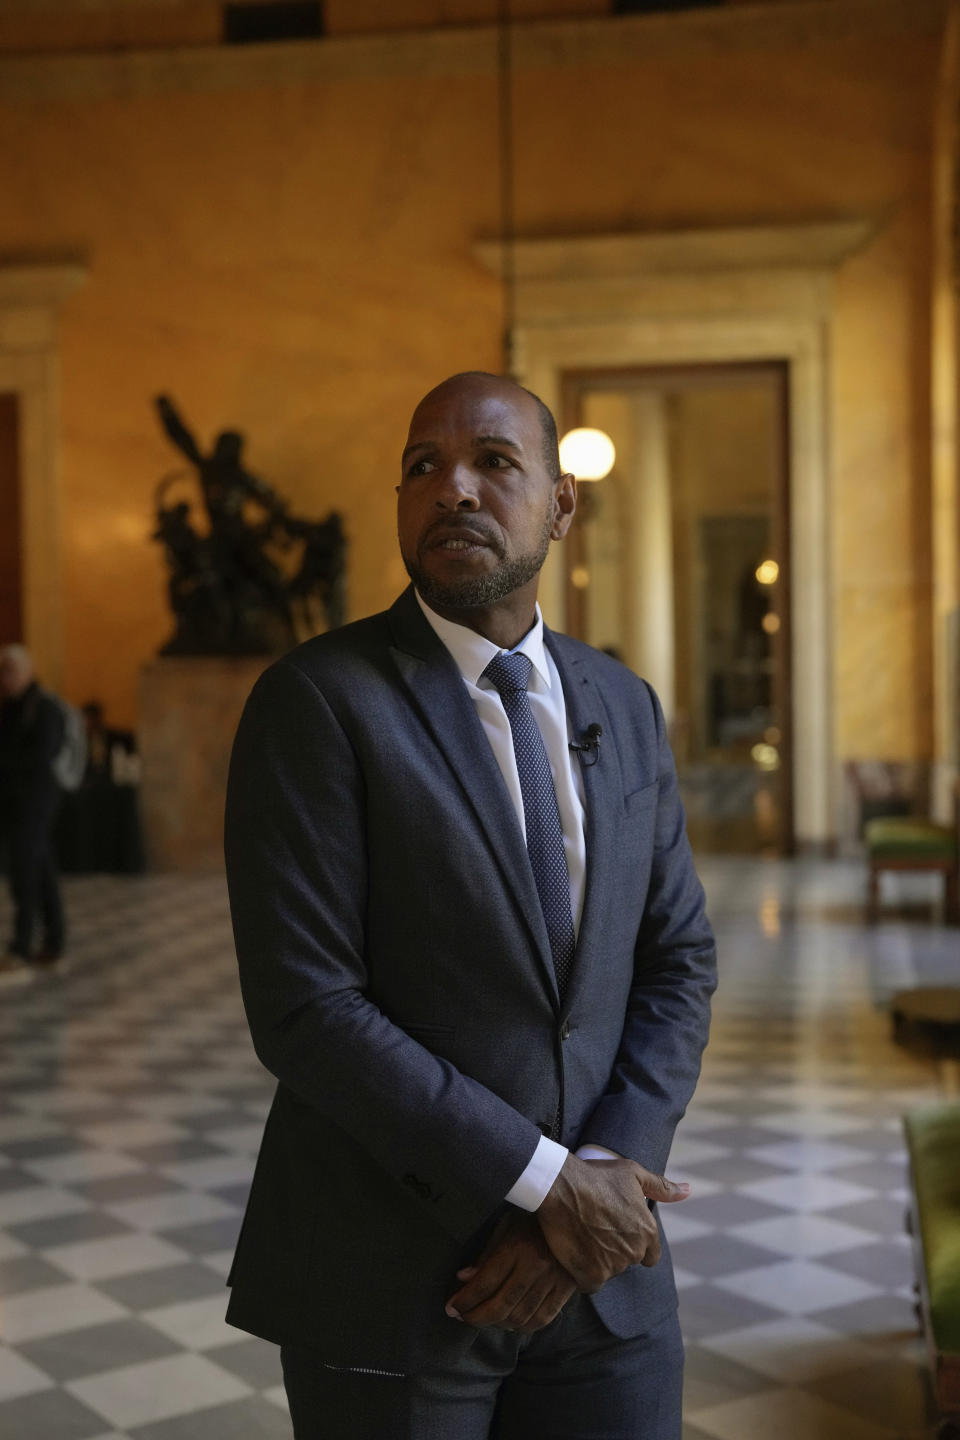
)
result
[(765, 757), (588, 454), (767, 572)]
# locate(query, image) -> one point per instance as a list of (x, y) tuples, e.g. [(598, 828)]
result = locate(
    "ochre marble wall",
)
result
[(295, 260), (66, 26), (881, 514)]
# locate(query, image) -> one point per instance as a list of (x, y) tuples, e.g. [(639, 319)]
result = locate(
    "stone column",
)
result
[(650, 564), (945, 457)]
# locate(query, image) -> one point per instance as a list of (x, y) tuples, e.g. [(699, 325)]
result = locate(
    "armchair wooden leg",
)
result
[(952, 897)]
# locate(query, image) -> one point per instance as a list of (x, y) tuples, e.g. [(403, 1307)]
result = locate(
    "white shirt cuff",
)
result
[(597, 1152), (544, 1166)]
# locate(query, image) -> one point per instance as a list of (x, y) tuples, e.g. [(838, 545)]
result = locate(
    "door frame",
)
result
[(700, 296), (654, 378), (802, 344), (31, 297)]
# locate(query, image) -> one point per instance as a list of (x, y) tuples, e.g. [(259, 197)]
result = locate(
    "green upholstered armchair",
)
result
[(908, 842), (933, 1142)]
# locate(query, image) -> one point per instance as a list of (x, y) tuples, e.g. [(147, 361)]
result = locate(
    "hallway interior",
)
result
[(132, 1106)]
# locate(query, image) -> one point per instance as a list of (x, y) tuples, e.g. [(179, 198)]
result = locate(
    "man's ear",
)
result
[(564, 506)]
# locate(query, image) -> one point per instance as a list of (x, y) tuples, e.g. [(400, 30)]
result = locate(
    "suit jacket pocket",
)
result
[(642, 799)]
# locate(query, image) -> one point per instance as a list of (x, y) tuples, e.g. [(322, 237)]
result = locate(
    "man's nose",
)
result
[(458, 490)]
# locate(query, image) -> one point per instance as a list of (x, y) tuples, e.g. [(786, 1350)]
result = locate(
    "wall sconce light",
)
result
[(586, 453)]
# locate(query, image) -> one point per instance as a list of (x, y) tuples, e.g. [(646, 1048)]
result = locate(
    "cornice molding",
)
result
[(32, 286), (31, 298), (818, 246), (612, 40)]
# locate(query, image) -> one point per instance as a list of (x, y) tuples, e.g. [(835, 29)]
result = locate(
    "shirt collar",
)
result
[(472, 653)]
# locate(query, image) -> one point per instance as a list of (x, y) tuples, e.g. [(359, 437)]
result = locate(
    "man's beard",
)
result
[(474, 592)]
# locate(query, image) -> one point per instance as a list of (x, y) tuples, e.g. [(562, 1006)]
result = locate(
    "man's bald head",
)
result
[(548, 426), (16, 670), (480, 499)]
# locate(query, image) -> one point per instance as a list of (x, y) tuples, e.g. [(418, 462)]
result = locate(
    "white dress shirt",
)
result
[(472, 654)]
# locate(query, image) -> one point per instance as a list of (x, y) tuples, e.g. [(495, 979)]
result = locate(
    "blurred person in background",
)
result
[(31, 737)]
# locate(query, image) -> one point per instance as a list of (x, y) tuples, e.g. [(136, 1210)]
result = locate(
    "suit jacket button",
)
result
[(565, 1030)]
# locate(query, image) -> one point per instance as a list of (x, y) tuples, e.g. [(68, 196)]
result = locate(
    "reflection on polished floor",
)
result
[(132, 1106)]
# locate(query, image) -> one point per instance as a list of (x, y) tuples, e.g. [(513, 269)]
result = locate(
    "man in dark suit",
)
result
[(31, 734), (473, 951)]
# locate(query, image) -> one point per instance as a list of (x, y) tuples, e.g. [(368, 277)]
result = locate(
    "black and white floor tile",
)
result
[(131, 1106)]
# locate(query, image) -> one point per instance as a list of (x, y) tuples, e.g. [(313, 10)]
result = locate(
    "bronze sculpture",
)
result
[(232, 587)]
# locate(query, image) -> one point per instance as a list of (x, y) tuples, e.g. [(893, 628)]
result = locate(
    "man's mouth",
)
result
[(459, 540)]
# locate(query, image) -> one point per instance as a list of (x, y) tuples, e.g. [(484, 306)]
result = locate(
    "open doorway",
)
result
[(11, 576), (679, 562)]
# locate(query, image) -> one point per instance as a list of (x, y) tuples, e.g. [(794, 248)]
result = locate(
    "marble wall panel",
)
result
[(295, 260), (883, 671)]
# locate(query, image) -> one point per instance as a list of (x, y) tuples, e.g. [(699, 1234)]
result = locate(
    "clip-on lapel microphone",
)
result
[(588, 747)]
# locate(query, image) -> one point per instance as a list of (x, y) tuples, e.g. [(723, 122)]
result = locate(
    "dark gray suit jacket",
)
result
[(398, 982)]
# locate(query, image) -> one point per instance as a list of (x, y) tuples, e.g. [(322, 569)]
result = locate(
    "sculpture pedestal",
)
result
[(189, 709)]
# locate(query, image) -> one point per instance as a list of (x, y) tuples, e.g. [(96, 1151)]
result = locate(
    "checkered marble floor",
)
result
[(132, 1106)]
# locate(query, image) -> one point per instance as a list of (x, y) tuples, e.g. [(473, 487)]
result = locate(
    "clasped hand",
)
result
[(594, 1223), (516, 1283)]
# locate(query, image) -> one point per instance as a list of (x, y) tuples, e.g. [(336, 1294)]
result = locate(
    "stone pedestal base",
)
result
[(189, 709)]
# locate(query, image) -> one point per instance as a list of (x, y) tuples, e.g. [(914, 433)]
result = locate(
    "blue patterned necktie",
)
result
[(510, 675)]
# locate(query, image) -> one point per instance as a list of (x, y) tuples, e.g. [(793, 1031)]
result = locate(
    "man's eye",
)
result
[(496, 462), (419, 467)]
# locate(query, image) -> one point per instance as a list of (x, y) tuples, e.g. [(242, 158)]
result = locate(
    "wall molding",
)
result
[(31, 298), (818, 245)]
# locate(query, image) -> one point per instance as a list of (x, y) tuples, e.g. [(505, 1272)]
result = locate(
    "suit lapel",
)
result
[(603, 796), (436, 686)]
